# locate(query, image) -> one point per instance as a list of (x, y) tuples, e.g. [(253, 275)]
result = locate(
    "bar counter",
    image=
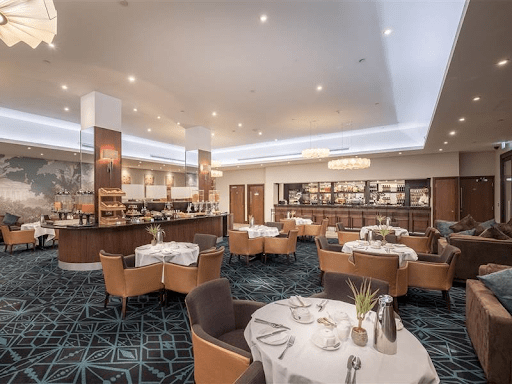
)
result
[(79, 246), (414, 219)]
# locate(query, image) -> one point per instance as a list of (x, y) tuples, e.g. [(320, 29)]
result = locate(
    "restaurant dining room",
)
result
[(221, 192)]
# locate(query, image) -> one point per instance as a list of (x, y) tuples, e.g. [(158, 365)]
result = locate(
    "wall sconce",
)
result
[(110, 155)]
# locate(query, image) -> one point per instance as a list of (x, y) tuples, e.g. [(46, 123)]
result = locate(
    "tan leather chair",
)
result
[(123, 281), (345, 237), (313, 230), (435, 271), (288, 224), (253, 375), (422, 244), (279, 225), (18, 237), (217, 324), (182, 279), (383, 267), (205, 241), (241, 245), (281, 245), (332, 261)]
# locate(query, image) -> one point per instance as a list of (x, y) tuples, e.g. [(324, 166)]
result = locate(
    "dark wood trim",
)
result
[(503, 158)]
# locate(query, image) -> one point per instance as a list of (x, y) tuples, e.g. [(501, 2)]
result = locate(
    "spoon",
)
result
[(349, 368), (356, 363)]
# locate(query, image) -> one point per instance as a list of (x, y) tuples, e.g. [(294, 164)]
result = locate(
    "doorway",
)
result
[(237, 203), (446, 198), (256, 202), (477, 197), (506, 187)]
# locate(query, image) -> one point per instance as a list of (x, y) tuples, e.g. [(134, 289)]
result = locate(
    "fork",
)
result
[(322, 305), (291, 340)]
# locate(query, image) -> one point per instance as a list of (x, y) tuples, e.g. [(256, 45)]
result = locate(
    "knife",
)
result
[(300, 301), (271, 334)]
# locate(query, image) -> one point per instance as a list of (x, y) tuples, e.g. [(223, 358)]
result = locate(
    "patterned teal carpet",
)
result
[(54, 329)]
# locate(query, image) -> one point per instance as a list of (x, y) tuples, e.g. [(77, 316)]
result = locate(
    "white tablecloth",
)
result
[(173, 252), (38, 230), (405, 253), (306, 363), (300, 221), (260, 231), (398, 231)]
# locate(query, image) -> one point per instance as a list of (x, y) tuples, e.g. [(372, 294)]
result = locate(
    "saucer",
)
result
[(142, 247), (305, 320), (277, 339), (400, 245), (317, 340)]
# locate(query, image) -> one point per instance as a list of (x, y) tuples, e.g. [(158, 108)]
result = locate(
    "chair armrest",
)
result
[(26, 236), (243, 311), (429, 275), (418, 243), (491, 268), (335, 248), (142, 280), (429, 258), (198, 330), (129, 261)]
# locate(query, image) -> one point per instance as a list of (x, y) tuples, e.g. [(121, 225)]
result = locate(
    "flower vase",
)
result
[(153, 242), (359, 336)]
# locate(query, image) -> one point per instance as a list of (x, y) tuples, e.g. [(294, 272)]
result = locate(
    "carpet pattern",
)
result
[(54, 329)]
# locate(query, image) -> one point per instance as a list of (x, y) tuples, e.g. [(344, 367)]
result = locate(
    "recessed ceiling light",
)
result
[(503, 62), (214, 113), (319, 88), (178, 123), (213, 134), (51, 45), (64, 86), (462, 119), (131, 79), (445, 143), (29, 147), (260, 133), (387, 32), (476, 98), (440, 149), (42, 154), (74, 153), (158, 117), (149, 129), (134, 109), (66, 109), (452, 133), (263, 18), (239, 124), (399, 153)]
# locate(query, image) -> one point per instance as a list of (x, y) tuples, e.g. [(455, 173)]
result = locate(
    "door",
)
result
[(237, 203), (477, 197), (506, 187), (446, 198), (256, 202)]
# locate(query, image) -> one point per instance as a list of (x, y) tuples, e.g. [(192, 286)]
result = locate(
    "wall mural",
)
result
[(28, 185)]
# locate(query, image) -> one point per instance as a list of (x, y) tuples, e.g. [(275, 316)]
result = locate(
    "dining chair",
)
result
[(346, 236), (336, 286), (205, 241), (281, 245), (435, 272), (420, 244), (313, 230), (241, 245), (331, 261), (12, 238), (384, 267), (279, 226), (288, 224), (217, 324), (182, 278), (123, 280), (324, 244), (253, 375)]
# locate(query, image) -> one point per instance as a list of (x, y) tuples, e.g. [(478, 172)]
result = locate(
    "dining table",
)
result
[(260, 231), (398, 231), (404, 253), (41, 234), (309, 361), (301, 221)]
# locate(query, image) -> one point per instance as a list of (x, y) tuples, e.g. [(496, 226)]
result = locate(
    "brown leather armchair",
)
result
[(205, 241), (422, 244), (241, 245), (346, 236), (313, 230), (435, 271), (337, 288), (332, 260), (217, 324), (279, 226), (18, 237), (253, 375), (383, 267), (288, 225), (281, 245), (124, 281), (182, 279)]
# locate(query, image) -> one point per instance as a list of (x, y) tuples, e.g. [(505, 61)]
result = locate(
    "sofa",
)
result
[(489, 326)]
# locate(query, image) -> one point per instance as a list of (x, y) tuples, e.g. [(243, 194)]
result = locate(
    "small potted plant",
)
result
[(380, 219), (157, 232), (383, 230), (364, 300)]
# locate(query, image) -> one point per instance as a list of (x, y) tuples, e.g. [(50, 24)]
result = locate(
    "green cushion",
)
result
[(500, 283)]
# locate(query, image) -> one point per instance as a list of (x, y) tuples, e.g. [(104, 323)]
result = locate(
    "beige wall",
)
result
[(137, 176), (477, 164)]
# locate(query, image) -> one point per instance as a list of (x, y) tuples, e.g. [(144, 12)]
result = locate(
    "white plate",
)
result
[(277, 339), (142, 247), (400, 245), (375, 246), (296, 303)]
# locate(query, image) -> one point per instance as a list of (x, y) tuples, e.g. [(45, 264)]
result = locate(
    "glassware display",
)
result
[(84, 201)]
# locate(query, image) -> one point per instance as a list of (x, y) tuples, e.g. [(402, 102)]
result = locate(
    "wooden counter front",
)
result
[(79, 247)]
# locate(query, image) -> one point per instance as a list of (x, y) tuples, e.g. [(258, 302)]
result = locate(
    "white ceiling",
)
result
[(192, 58)]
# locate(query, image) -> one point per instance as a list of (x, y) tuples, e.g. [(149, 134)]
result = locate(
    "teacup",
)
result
[(339, 316), (301, 313), (344, 329), (327, 337)]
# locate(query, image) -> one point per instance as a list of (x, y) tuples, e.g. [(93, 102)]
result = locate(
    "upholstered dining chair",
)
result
[(346, 236), (12, 238), (330, 260), (182, 279), (435, 271), (217, 324), (324, 244), (313, 230), (281, 245), (390, 237), (253, 375), (205, 241), (241, 245), (288, 224), (423, 244), (277, 225), (124, 280), (383, 267), (337, 288)]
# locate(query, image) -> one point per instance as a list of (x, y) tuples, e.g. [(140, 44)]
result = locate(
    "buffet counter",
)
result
[(79, 246), (414, 219)]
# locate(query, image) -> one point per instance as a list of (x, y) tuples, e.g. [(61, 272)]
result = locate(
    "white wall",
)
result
[(477, 164)]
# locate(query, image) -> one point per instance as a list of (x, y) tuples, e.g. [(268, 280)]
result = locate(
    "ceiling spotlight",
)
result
[(260, 133), (462, 119), (214, 113), (503, 62), (387, 32), (213, 134), (131, 79), (134, 109), (239, 124), (440, 149), (66, 109), (445, 143), (319, 88), (64, 87), (149, 129), (263, 18), (452, 133), (476, 98), (178, 123), (158, 117), (51, 45)]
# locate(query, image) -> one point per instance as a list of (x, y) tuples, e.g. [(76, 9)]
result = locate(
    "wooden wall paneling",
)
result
[(446, 198), (477, 197), (356, 217)]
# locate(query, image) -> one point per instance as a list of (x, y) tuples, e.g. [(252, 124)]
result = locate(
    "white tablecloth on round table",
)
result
[(405, 253), (398, 231), (260, 231), (300, 221), (306, 363), (173, 252), (38, 230)]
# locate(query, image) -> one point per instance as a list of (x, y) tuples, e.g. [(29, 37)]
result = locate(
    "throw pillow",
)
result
[(505, 228), (483, 226), (500, 283), (10, 219), (494, 233), (466, 223), (444, 227), (470, 232)]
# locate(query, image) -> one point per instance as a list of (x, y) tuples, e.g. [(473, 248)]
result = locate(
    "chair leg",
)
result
[(322, 278), (446, 296), (11, 248), (123, 308), (230, 256), (107, 295), (295, 255), (247, 259), (33, 247)]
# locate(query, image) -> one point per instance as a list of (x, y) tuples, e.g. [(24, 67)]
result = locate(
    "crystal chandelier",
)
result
[(314, 153), (216, 173), (349, 163), (31, 21)]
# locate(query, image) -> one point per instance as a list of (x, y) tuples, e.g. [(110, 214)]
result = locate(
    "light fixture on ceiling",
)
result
[(502, 62), (64, 86), (131, 79), (214, 113), (31, 22), (452, 133), (216, 164), (349, 163), (387, 32), (319, 88), (263, 18), (462, 119), (216, 173), (314, 153), (476, 98)]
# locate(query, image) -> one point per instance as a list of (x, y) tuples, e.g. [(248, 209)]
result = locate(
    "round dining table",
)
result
[(171, 252), (260, 231), (305, 362), (398, 231), (38, 230), (404, 253)]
